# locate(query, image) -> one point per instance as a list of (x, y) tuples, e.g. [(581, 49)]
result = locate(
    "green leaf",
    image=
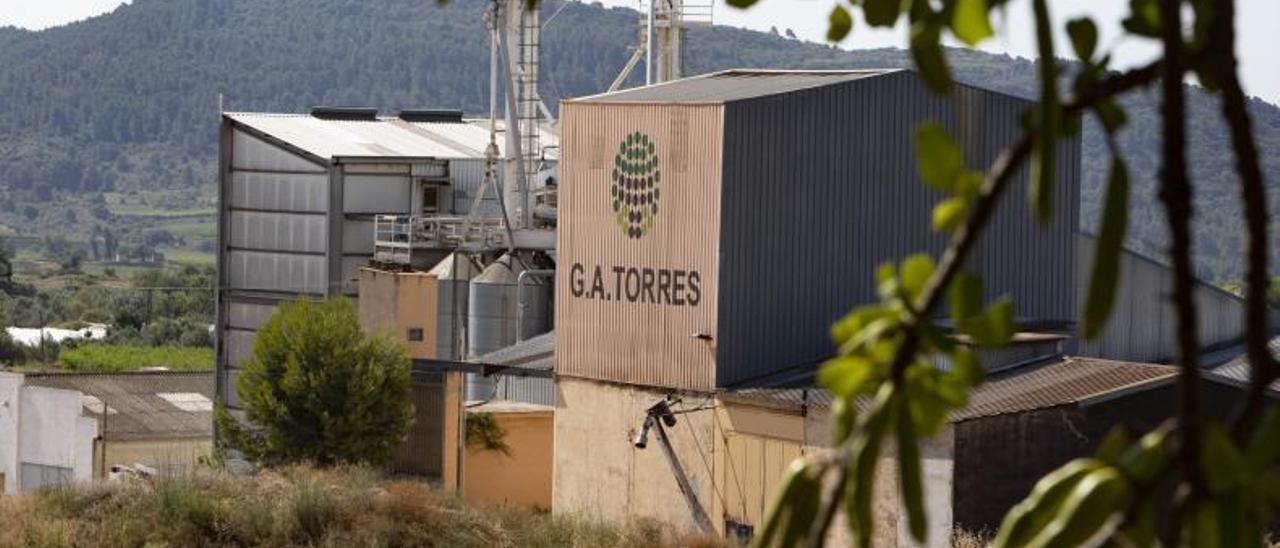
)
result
[(916, 271), (926, 50), (969, 184), (964, 297), (1034, 513), (1114, 445), (949, 213), (938, 158), (1261, 455), (741, 4), (1221, 463), (847, 375), (965, 366), (839, 23), (969, 22), (1144, 461), (881, 13), (1084, 37), (1108, 249), (787, 523), (1144, 18), (994, 327), (1094, 501), (844, 414), (865, 453), (912, 487), (1044, 149)]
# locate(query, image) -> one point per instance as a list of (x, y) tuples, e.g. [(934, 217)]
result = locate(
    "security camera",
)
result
[(642, 437)]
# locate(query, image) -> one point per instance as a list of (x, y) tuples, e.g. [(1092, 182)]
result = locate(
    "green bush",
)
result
[(318, 390), (109, 358)]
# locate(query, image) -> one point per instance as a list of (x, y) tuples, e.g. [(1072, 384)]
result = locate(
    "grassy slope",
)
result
[(296, 507)]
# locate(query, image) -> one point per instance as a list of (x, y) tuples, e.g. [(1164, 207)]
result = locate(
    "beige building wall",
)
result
[(403, 303), (178, 456), (522, 477), (628, 307), (600, 474)]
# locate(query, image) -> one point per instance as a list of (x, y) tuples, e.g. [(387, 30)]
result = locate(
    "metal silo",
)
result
[(504, 307), (453, 277)]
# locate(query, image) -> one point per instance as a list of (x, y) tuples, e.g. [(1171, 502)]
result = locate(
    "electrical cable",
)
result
[(697, 444)]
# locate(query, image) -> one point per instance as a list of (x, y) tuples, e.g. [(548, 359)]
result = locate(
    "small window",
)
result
[(430, 199), (415, 334)]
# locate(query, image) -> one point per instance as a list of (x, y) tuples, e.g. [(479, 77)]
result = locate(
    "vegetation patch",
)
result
[(111, 358), (298, 506)]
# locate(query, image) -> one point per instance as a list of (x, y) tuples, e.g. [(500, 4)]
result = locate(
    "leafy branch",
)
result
[(882, 348)]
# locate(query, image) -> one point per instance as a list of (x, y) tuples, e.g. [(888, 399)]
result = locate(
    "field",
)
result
[(105, 358), (296, 507)]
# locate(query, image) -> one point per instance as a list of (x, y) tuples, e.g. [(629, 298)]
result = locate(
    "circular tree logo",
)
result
[(636, 178)]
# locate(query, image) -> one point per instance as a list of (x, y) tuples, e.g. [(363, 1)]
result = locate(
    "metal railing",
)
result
[(698, 13), (396, 236)]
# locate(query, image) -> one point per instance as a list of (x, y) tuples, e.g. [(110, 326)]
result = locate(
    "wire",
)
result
[(697, 444), (742, 500), (563, 5)]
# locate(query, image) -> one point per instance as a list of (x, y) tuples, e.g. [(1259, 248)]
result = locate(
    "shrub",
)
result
[(317, 390)]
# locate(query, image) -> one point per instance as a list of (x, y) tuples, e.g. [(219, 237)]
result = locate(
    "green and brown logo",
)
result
[(636, 179)]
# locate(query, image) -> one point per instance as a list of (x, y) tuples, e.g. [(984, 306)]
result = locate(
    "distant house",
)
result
[(59, 427)]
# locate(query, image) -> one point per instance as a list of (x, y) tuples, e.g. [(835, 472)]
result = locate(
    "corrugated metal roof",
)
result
[(533, 353), (133, 405), (732, 85), (1237, 371), (386, 137), (1062, 381)]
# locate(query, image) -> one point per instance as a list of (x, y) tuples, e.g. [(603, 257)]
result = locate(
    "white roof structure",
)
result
[(383, 137)]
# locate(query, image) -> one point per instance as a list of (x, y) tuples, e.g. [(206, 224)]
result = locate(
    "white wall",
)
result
[(9, 401), (48, 415)]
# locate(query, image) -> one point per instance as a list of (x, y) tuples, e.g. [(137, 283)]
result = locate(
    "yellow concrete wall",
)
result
[(520, 478), (753, 450), (599, 473), (397, 302), (176, 455)]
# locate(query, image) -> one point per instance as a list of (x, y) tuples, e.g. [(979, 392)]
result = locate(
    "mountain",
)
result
[(125, 104)]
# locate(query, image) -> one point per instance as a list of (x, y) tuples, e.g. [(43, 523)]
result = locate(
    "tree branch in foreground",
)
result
[(1175, 192), (1222, 61), (962, 242)]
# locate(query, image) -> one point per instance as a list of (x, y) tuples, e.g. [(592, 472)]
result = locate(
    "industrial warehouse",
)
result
[(641, 290)]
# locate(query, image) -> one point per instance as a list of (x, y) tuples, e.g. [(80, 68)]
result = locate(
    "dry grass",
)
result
[(968, 539), (297, 507)]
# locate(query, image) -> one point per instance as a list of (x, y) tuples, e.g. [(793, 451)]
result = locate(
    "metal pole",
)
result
[(648, 47), (690, 497)]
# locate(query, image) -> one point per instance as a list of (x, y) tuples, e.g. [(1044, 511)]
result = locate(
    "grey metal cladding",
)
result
[(820, 187)]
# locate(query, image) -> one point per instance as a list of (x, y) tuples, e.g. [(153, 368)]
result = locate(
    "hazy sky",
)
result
[(1258, 23)]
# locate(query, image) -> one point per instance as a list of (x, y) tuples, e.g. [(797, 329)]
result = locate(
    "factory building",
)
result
[(712, 229), (301, 197), (703, 236)]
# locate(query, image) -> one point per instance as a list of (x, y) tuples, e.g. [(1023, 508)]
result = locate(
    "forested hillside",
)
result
[(113, 119)]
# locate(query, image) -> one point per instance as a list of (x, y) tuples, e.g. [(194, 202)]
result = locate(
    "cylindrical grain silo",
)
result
[(503, 309), (453, 278)]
